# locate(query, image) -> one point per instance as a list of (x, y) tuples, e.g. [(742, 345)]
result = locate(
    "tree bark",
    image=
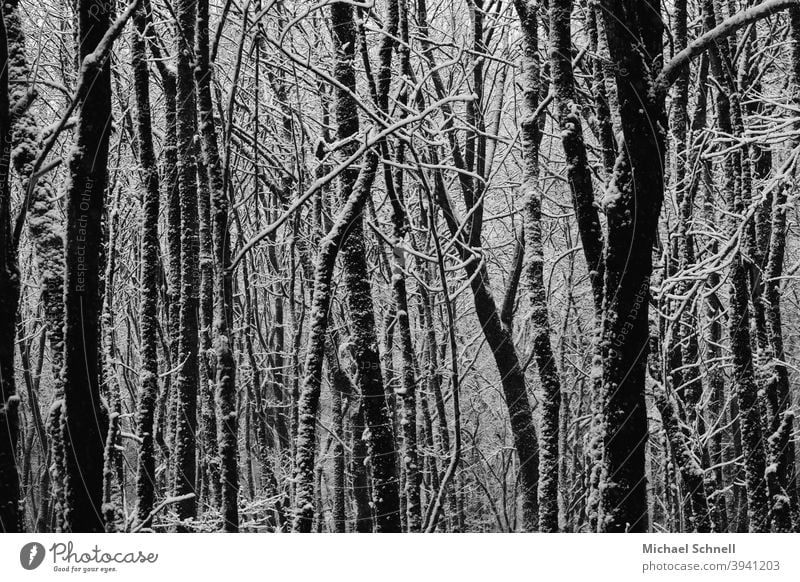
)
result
[(148, 310), (188, 334), (85, 417), (9, 300), (533, 258), (578, 172), (633, 203), (225, 394)]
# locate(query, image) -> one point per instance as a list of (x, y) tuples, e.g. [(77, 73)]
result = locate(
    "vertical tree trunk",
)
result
[(601, 101), (533, 259), (340, 386), (112, 460), (782, 450), (364, 522), (188, 374), (227, 421), (394, 188), (208, 449), (359, 295), (148, 310), (9, 299), (85, 417), (578, 171), (633, 203), (165, 425)]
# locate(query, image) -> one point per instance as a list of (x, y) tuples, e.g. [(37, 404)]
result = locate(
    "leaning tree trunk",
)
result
[(498, 337)]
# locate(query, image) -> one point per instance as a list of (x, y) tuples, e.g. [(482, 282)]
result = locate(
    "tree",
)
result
[(188, 375), (533, 261), (9, 299), (85, 416), (632, 205), (225, 394), (146, 476)]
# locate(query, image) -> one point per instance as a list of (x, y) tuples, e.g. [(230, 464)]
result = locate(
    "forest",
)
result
[(399, 266)]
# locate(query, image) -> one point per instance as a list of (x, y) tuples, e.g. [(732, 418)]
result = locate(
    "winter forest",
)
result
[(399, 265)]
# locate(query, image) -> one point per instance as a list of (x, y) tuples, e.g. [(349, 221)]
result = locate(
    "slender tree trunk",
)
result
[(395, 191), (578, 171), (781, 443), (112, 460), (165, 425), (340, 387), (209, 451), (364, 522), (148, 309), (533, 259), (188, 339), (227, 421)]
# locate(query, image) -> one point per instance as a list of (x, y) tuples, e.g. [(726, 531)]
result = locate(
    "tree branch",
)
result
[(671, 70)]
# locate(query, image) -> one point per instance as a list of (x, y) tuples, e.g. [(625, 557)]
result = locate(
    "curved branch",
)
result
[(729, 26)]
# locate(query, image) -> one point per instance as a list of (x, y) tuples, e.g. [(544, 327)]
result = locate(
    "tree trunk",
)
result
[(308, 402), (10, 519), (85, 416), (533, 258), (782, 450), (359, 297), (227, 421), (148, 309), (188, 338), (633, 203)]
